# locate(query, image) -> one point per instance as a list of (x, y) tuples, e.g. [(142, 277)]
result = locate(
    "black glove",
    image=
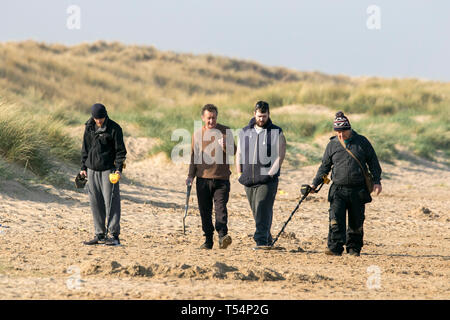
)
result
[(306, 188)]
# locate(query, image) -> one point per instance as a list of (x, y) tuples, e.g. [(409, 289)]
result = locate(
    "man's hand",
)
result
[(222, 142), (83, 173), (377, 188), (313, 189), (189, 181)]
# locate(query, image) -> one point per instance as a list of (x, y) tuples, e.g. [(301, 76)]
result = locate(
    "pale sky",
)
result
[(329, 36)]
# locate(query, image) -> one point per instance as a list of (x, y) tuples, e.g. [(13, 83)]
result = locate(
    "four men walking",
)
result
[(259, 156)]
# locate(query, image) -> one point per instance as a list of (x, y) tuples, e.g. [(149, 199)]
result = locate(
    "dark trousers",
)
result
[(343, 199), (217, 191), (261, 199)]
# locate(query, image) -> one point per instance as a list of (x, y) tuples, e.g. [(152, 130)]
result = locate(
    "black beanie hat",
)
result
[(99, 111), (341, 122)]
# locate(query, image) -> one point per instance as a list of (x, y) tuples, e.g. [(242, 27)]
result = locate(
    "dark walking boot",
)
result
[(353, 252), (113, 241), (98, 239), (224, 241), (332, 253), (208, 243)]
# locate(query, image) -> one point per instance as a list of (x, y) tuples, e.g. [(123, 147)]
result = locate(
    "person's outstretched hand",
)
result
[(377, 189)]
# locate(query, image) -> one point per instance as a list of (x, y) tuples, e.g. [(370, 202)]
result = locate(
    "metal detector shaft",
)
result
[(320, 187), (308, 190), (289, 219), (186, 206)]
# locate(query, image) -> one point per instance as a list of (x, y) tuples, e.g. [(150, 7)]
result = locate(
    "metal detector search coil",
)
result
[(80, 181)]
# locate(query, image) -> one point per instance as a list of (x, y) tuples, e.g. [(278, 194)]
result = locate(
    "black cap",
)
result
[(99, 111)]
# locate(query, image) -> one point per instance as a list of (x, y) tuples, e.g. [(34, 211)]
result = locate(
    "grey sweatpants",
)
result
[(261, 199), (99, 189)]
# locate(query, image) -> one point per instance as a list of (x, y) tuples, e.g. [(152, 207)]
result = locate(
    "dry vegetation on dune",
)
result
[(125, 77), (156, 92)]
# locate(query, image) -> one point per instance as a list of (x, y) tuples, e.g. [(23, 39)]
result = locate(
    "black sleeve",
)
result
[(372, 162), (325, 167), (84, 150), (121, 151)]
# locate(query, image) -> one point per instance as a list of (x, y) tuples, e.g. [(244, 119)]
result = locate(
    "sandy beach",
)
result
[(406, 253)]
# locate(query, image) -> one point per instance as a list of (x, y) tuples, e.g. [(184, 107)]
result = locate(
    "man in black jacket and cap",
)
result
[(349, 191), (103, 152), (261, 151)]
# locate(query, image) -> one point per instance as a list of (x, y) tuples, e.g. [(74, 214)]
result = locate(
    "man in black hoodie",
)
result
[(103, 152), (261, 151), (349, 191)]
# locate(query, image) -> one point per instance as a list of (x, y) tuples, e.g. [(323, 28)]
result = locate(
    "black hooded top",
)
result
[(103, 148)]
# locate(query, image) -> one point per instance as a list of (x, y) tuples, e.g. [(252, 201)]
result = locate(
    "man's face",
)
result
[(209, 119), (261, 118), (99, 122), (344, 134)]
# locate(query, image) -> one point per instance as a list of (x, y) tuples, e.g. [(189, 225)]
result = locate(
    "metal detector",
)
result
[(305, 191), (113, 178)]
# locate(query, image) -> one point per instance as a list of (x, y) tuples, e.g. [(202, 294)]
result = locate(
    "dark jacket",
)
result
[(254, 167), (345, 169), (103, 149)]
